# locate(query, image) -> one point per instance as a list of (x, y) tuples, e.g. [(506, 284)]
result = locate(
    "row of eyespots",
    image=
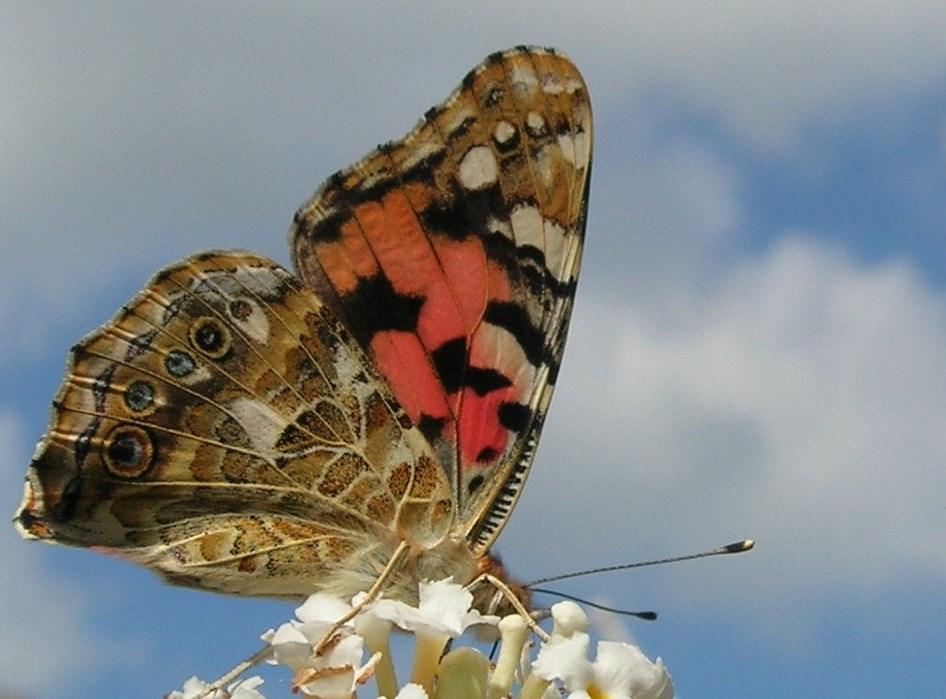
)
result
[(129, 449)]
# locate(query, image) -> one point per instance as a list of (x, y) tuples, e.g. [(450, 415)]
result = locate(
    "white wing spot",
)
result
[(574, 148), (254, 324), (535, 122), (416, 153), (503, 131), (260, 280), (530, 228), (511, 360), (454, 118), (551, 85), (478, 168), (572, 85), (554, 248), (261, 422), (494, 225), (524, 78), (527, 226)]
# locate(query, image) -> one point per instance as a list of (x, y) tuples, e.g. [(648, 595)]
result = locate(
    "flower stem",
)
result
[(428, 648), (377, 635)]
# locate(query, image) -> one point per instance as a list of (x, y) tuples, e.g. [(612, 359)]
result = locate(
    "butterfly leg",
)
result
[(504, 590), (373, 592), (262, 654)]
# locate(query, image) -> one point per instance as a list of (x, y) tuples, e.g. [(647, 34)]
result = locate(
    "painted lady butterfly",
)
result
[(240, 429)]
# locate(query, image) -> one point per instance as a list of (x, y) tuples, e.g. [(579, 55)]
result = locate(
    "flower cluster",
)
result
[(356, 652), (198, 689)]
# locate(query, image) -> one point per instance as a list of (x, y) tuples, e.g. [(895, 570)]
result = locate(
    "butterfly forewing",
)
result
[(452, 256), (225, 430)]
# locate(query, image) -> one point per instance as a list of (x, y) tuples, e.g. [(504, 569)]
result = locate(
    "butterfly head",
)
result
[(492, 598)]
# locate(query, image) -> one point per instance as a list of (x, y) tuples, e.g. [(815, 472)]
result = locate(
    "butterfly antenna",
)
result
[(737, 547), (646, 616)]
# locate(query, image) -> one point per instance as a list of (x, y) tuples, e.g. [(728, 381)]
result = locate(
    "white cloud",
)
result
[(658, 211), (799, 402), (770, 70)]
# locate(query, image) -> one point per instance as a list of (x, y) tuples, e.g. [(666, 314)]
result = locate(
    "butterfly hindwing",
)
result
[(225, 429), (452, 256)]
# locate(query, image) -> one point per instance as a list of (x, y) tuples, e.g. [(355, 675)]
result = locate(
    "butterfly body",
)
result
[(240, 429)]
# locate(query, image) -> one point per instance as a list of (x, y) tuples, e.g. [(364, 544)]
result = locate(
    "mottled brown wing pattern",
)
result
[(452, 255), (225, 430)]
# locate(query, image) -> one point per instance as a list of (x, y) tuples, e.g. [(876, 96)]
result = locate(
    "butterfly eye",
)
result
[(139, 396), (128, 452), (211, 337)]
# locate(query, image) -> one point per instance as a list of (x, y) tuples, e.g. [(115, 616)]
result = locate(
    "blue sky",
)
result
[(758, 347)]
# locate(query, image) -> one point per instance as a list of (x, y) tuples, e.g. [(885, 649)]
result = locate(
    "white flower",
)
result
[(244, 689), (337, 669), (513, 633), (293, 641), (620, 670), (442, 613), (568, 618), (192, 688), (410, 691), (444, 608), (335, 682), (566, 659)]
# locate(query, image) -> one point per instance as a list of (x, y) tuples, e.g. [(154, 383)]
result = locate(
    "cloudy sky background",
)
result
[(758, 348)]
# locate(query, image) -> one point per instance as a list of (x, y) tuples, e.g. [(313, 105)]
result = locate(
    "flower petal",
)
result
[(565, 659)]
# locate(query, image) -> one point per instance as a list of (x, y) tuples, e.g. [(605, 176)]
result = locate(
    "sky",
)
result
[(758, 346)]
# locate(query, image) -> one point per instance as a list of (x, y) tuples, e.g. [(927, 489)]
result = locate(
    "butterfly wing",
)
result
[(225, 430), (452, 256)]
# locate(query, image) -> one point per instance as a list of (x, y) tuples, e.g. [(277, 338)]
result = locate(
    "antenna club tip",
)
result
[(740, 546)]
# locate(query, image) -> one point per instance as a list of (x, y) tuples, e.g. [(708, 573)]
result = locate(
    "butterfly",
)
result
[(243, 429)]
